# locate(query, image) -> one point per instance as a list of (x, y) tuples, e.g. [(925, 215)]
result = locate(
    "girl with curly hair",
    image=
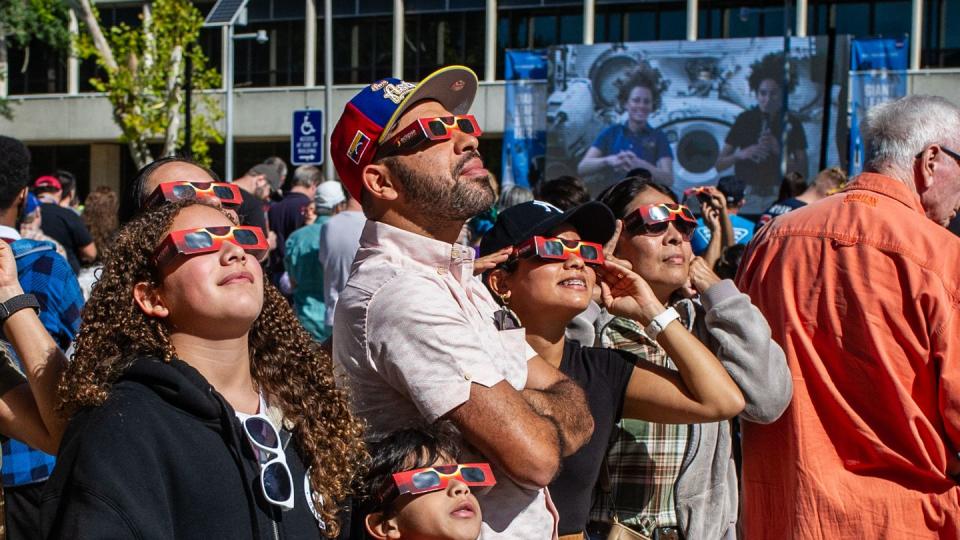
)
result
[(752, 146), (200, 407), (635, 143)]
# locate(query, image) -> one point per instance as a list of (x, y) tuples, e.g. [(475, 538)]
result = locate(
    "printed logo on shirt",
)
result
[(308, 493), (358, 147)]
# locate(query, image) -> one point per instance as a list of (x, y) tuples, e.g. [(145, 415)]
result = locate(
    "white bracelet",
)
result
[(660, 322)]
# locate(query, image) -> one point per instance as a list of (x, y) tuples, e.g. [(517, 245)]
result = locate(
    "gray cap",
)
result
[(269, 171)]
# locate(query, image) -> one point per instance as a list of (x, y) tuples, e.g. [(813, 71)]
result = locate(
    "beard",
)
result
[(427, 193)]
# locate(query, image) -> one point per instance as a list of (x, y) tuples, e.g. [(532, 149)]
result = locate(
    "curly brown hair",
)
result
[(100, 214), (643, 76), (284, 361)]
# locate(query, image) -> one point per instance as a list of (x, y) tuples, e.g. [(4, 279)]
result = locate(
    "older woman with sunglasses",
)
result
[(679, 481), (200, 408), (546, 281)]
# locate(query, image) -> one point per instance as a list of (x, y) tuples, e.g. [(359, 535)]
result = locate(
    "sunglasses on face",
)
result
[(438, 128), (438, 477), (227, 194), (275, 478), (560, 249), (653, 220), (208, 240)]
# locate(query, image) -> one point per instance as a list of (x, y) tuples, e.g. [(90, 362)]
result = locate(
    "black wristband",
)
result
[(17, 303)]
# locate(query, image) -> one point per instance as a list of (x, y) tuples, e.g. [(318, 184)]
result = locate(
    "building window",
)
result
[(278, 62), (38, 69), (435, 40), (362, 49)]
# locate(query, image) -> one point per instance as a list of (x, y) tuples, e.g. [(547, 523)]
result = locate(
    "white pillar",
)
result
[(228, 115), (310, 45), (224, 55), (328, 114), (73, 63), (589, 10), (916, 34), (801, 18), (692, 20), (490, 43), (398, 39)]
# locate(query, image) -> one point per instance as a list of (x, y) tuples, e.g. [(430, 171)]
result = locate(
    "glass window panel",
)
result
[(258, 10), (673, 25), (951, 15), (46, 70), (292, 9), (468, 4), (544, 30), (424, 5), (892, 19), (518, 3), (571, 29), (744, 22), (342, 7), (772, 21), (368, 7), (853, 19), (641, 26), (279, 62)]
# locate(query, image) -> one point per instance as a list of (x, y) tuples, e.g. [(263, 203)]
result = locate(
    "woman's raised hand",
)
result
[(626, 294), (9, 281), (702, 277), (611, 246)]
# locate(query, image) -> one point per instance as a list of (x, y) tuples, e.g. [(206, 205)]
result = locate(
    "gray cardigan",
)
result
[(706, 491)]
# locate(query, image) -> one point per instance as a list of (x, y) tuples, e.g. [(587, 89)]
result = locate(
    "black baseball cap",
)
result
[(593, 221), (732, 188)]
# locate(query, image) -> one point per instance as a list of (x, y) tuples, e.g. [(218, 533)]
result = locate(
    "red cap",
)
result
[(371, 114), (48, 181)]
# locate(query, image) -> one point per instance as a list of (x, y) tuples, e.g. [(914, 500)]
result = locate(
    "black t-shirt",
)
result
[(67, 228), (285, 217), (251, 211), (603, 374), (746, 131)]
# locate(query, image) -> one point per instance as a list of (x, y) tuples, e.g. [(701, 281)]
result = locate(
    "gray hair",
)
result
[(307, 176), (895, 132), (513, 196)]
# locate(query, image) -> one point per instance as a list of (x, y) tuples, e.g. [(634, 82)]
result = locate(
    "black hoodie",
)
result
[(165, 457)]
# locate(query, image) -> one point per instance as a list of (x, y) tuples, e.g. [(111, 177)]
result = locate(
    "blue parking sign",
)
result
[(306, 139)]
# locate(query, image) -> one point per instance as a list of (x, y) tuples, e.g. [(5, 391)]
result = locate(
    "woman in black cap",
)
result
[(546, 282)]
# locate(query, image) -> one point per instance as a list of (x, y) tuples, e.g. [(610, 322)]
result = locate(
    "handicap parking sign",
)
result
[(306, 139)]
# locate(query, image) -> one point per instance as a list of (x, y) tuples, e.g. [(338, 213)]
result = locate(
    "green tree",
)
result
[(23, 22), (142, 73)]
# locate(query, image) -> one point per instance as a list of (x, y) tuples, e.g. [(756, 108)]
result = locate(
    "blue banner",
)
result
[(878, 74), (525, 118)]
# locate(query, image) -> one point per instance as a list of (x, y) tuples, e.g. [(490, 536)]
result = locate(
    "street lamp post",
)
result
[(261, 37)]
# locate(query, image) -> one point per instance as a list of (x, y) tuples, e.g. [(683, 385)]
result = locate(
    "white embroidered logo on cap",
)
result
[(396, 92), (548, 207)]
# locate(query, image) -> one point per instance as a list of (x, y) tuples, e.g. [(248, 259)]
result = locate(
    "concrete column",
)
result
[(73, 63), (916, 34), (225, 48), (589, 22), (105, 166), (801, 18), (692, 20), (328, 114), (310, 45), (398, 38), (490, 43)]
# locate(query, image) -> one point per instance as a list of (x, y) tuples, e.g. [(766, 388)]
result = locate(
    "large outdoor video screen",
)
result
[(693, 112)]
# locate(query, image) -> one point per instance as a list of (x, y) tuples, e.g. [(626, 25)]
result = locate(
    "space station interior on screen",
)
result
[(691, 112)]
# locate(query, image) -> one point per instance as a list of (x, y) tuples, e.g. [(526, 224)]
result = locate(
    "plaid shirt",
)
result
[(48, 276), (645, 458)]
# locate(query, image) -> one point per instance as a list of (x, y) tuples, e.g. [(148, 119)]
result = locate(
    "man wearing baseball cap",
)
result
[(414, 337)]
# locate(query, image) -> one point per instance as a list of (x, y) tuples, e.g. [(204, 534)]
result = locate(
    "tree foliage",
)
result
[(141, 70), (23, 22)]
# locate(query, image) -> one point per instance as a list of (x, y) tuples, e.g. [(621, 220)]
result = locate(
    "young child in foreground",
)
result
[(417, 489)]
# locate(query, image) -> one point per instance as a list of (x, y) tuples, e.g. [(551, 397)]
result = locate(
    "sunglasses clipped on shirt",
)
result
[(653, 220), (439, 128), (427, 479), (560, 249), (226, 194), (275, 478), (200, 240)]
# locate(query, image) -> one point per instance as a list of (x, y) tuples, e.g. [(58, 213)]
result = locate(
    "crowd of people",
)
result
[(409, 353)]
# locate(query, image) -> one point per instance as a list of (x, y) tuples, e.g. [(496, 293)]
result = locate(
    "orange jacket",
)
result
[(861, 290)]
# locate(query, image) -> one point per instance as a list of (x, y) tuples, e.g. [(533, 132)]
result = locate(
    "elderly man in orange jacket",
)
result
[(862, 291)]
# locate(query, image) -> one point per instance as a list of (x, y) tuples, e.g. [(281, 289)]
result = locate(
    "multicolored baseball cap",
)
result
[(372, 113)]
